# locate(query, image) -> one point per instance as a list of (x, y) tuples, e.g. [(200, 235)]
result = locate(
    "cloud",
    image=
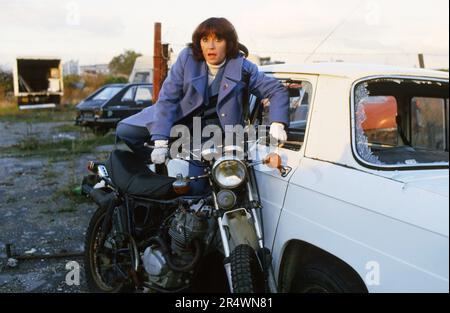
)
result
[(43, 17), (97, 30)]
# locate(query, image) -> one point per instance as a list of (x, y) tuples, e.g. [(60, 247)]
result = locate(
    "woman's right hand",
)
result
[(160, 152)]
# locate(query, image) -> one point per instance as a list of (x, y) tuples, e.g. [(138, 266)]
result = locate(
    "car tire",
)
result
[(324, 278)]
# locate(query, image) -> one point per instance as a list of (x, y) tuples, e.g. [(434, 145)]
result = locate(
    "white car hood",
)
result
[(436, 181)]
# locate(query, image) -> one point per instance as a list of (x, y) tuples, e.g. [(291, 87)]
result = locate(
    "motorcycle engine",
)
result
[(184, 228)]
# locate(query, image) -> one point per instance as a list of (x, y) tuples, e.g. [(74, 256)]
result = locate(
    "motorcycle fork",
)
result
[(223, 221), (264, 253), (224, 237), (255, 216)]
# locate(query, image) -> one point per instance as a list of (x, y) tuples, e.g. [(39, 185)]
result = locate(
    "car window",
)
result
[(401, 122), (107, 93), (299, 102), (143, 93), (142, 77), (299, 99), (429, 123), (129, 95)]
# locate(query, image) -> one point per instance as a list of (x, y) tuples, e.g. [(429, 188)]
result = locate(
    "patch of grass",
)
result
[(47, 211), (67, 210), (69, 128), (11, 200), (28, 143), (10, 113), (67, 192), (64, 149), (8, 108), (49, 174)]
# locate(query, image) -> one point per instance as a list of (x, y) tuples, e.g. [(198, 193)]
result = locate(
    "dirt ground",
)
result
[(41, 163)]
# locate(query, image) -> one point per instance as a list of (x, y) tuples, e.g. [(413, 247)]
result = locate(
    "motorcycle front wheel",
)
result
[(246, 271), (101, 262)]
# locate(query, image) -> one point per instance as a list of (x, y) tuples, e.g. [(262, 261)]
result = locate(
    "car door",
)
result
[(135, 99), (126, 106), (272, 185)]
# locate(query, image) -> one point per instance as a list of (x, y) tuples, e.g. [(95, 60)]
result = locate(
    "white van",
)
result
[(142, 70)]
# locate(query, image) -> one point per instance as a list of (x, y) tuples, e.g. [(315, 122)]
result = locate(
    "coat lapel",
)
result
[(200, 82), (232, 74)]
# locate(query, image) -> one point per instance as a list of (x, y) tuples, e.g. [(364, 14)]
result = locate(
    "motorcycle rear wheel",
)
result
[(94, 260)]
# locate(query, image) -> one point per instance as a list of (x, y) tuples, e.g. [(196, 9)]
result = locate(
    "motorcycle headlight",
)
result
[(229, 172)]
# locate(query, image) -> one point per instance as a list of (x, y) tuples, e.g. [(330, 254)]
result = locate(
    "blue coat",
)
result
[(183, 92)]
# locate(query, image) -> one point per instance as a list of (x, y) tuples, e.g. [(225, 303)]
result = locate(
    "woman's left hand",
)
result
[(277, 131)]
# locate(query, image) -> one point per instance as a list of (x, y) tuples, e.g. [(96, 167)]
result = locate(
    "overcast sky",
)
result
[(93, 31)]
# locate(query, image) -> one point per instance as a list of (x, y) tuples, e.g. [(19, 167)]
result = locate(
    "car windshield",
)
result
[(402, 122), (107, 93)]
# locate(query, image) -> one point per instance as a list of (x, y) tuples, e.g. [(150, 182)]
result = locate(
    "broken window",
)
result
[(401, 122)]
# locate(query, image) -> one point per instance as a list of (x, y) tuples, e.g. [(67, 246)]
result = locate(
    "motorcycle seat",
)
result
[(132, 176)]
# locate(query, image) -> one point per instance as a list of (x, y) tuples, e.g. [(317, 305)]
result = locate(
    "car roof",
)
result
[(139, 84), (352, 70), (127, 84)]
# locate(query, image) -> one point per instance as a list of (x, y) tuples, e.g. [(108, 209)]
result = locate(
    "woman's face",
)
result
[(214, 49)]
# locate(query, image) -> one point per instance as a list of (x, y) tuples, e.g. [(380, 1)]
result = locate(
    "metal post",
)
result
[(421, 61), (161, 55), (157, 58)]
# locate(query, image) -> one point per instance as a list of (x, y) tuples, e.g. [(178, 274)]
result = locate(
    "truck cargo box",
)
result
[(38, 82)]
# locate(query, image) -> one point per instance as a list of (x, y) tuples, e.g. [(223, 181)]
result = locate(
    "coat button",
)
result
[(223, 115), (225, 86)]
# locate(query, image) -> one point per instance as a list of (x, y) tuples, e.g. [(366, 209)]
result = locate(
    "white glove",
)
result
[(277, 131), (159, 154)]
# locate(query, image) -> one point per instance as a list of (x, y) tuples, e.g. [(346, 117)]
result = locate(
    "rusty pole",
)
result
[(160, 61), (157, 51)]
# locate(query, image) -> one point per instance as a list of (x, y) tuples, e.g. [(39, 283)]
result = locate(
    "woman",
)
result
[(205, 81)]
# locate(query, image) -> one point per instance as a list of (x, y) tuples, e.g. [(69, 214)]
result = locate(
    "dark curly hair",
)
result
[(222, 29)]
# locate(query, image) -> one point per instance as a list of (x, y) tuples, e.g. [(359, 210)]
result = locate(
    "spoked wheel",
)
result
[(246, 271), (108, 265)]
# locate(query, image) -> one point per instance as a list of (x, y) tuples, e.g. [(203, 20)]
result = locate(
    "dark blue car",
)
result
[(111, 103)]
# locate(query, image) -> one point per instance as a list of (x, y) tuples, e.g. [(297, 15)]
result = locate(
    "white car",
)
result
[(365, 205)]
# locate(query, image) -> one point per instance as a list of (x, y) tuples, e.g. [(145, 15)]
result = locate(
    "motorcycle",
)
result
[(150, 234)]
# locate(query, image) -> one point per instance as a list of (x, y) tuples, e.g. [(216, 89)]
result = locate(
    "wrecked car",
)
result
[(111, 103), (365, 204)]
